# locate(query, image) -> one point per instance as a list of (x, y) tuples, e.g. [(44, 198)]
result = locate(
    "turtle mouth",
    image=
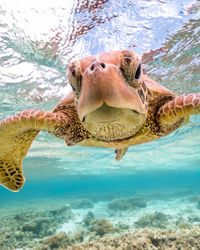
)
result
[(113, 131), (111, 124)]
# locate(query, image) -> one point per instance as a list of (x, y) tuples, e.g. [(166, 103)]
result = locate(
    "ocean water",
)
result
[(37, 41)]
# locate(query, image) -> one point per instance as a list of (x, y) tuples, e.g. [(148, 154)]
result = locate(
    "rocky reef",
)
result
[(24, 228), (81, 204), (138, 240), (92, 229), (101, 227), (98, 227), (82, 224), (59, 241), (124, 204), (156, 220)]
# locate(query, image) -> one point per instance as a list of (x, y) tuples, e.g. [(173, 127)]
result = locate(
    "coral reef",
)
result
[(124, 204), (24, 228), (61, 227), (93, 229), (138, 240), (101, 227), (146, 240), (182, 223), (59, 241), (81, 203), (89, 218), (157, 219), (98, 227)]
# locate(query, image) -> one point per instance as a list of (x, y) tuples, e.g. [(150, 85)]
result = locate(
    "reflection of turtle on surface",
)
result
[(113, 104)]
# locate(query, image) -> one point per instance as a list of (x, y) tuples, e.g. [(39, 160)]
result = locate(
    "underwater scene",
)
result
[(81, 197)]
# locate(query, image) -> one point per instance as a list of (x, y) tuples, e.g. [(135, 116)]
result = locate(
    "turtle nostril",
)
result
[(97, 65), (103, 65), (92, 67)]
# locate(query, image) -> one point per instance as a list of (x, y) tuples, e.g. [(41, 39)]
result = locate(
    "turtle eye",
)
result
[(77, 84), (131, 68), (131, 76), (127, 59), (138, 72), (74, 73), (73, 70), (75, 78)]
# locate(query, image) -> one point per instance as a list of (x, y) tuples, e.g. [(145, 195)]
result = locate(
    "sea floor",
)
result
[(142, 221)]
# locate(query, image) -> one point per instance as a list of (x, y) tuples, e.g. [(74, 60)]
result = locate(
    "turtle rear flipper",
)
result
[(16, 135), (120, 152)]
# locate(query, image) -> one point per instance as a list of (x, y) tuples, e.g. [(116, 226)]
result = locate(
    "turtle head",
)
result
[(110, 94)]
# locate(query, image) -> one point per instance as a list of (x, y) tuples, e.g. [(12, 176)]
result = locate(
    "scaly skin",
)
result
[(113, 104), (178, 110), (16, 135)]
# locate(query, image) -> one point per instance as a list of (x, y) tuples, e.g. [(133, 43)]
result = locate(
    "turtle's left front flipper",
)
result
[(173, 113), (16, 135)]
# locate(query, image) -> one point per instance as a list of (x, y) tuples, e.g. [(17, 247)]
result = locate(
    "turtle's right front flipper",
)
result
[(16, 135)]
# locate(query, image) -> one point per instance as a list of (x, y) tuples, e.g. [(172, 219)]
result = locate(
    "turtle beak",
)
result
[(103, 84)]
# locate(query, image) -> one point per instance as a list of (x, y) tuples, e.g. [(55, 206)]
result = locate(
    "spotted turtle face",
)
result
[(111, 96)]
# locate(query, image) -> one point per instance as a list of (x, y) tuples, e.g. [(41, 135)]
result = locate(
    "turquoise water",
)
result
[(37, 40)]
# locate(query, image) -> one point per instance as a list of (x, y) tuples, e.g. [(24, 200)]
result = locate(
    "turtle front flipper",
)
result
[(16, 135), (173, 113)]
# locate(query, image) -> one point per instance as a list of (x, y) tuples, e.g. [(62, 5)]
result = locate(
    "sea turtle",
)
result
[(112, 104)]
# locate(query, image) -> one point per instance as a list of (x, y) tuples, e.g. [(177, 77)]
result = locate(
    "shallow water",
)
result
[(37, 40)]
